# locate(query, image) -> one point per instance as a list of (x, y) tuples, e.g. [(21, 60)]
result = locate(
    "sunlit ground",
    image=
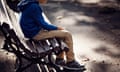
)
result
[(89, 1), (86, 44), (90, 50)]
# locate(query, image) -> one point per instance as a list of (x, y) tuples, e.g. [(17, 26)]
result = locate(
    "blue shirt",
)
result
[(32, 21)]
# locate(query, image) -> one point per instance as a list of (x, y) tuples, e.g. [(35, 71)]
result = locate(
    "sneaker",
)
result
[(74, 64), (60, 61)]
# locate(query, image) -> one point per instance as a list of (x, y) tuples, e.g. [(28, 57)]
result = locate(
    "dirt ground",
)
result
[(95, 27)]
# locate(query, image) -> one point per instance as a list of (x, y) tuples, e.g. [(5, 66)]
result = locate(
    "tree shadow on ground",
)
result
[(107, 65), (111, 52), (99, 67), (102, 67), (105, 15)]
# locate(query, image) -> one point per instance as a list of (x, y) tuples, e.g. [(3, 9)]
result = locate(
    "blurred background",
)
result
[(94, 24)]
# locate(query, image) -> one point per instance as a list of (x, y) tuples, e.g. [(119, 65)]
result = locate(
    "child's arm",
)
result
[(36, 14)]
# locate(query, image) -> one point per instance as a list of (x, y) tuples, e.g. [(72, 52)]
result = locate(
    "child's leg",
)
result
[(60, 34)]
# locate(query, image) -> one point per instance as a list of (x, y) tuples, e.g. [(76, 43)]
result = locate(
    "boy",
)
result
[(34, 26)]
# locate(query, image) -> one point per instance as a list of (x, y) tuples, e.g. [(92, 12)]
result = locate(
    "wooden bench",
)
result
[(33, 51)]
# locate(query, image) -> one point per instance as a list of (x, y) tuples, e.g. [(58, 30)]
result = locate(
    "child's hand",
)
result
[(60, 28), (42, 1)]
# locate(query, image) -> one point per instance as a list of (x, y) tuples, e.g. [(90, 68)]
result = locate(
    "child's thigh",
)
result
[(51, 34)]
